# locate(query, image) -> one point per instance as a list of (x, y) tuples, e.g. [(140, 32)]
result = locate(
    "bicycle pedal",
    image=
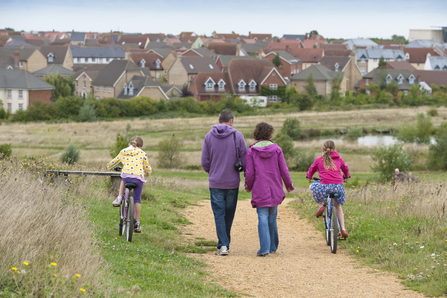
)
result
[(320, 216), (342, 238)]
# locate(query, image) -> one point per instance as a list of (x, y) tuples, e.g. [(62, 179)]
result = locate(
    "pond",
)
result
[(369, 141)]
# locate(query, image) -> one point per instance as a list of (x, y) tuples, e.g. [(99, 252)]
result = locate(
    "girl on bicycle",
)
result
[(265, 171), (135, 166), (328, 166)]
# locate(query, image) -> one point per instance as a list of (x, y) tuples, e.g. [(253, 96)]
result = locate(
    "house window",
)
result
[(362, 69), (209, 84), (20, 106), (100, 60), (104, 89), (84, 84), (273, 86), (273, 98), (130, 89), (437, 67), (241, 86), (157, 63), (125, 89), (9, 93), (337, 67), (107, 59), (166, 72), (406, 92), (157, 75), (389, 79), (400, 79), (21, 63), (143, 63), (21, 94), (110, 89), (75, 60), (93, 60), (445, 67), (367, 82), (221, 86), (252, 86), (97, 88), (76, 84), (375, 60), (411, 79), (50, 58), (10, 107)]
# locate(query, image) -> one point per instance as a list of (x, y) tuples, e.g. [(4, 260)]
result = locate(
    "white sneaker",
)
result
[(222, 251), (117, 201)]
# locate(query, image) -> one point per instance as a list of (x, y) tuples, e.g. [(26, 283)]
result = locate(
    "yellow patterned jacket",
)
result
[(135, 163)]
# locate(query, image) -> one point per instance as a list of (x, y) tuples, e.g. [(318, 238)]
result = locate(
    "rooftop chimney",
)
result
[(16, 59)]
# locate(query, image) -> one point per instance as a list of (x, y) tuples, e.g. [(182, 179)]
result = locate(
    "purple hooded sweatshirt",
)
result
[(219, 156), (264, 170)]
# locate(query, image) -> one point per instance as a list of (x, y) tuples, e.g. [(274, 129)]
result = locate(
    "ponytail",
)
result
[(328, 147), (136, 142)]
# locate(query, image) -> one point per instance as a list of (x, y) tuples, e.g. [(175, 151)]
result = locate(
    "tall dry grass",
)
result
[(46, 242)]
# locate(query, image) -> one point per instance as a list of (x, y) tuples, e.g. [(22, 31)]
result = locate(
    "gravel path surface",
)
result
[(303, 266)]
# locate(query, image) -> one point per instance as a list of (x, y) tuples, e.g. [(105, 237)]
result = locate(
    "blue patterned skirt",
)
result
[(318, 191)]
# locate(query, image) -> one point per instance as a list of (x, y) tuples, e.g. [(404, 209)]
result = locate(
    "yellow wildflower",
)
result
[(25, 263), (53, 264), (78, 275), (82, 290)]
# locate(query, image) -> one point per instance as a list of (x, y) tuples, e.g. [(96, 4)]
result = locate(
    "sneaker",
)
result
[(320, 211), (222, 251), (344, 234), (117, 201), (137, 227), (263, 255)]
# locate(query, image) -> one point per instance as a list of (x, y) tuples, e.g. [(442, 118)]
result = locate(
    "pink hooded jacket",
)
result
[(265, 167), (329, 176)]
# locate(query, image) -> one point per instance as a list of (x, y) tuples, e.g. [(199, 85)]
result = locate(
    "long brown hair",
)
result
[(136, 142), (328, 147)]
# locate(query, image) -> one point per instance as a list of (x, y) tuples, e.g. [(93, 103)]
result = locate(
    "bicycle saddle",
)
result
[(332, 193), (131, 185)]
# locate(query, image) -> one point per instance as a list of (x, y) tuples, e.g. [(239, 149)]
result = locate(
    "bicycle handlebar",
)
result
[(118, 169), (318, 179)]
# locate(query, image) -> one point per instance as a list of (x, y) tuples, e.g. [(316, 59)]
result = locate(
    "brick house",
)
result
[(345, 65), (143, 86), (151, 61), (290, 64), (96, 55), (185, 68), (19, 89), (404, 78), (83, 79), (418, 56), (308, 57), (244, 77)]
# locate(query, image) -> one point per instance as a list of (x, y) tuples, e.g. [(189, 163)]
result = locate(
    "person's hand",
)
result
[(289, 190), (247, 190)]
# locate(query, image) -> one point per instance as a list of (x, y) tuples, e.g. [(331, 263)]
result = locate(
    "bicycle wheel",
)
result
[(326, 225), (334, 230), (121, 226), (130, 220)]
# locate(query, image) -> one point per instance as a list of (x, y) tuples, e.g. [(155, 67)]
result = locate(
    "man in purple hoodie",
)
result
[(223, 147)]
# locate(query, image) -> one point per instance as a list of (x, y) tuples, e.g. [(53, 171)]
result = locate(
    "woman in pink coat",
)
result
[(265, 171)]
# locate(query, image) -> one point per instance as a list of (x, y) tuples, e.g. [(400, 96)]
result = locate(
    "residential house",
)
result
[(18, 43), (301, 37), (290, 65), (4, 40), (111, 80), (432, 77), (244, 77), (401, 65), (200, 52), (253, 49), (53, 69), (158, 45), (30, 59), (139, 41), (404, 78), (84, 77), (157, 37), (143, 86), (354, 44), (308, 57), (436, 63), (345, 65), (418, 56), (368, 59), (58, 55), (323, 79), (152, 61), (223, 61), (19, 89), (77, 38), (172, 90), (285, 45), (313, 43), (52, 35), (421, 43), (96, 55), (224, 49), (226, 36), (198, 43), (260, 36), (168, 58), (185, 68)]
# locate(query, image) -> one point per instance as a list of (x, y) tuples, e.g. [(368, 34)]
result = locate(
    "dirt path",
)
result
[(303, 266)]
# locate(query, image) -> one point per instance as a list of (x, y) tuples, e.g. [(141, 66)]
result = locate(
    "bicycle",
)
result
[(127, 211), (330, 219)]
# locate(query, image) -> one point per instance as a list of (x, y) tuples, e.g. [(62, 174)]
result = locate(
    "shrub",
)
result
[(354, 133), (432, 113), (418, 133), (292, 128), (169, 155), (286, 144), (387, 158), (121, 142), (437, 156), (304, 160), (71, 154), (87, 113), (5, 151)]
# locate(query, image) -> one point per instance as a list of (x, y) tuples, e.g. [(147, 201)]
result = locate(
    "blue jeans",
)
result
[(223, 203), (267, 229)]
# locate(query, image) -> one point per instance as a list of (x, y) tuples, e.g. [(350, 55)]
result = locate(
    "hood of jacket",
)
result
[(222, 131), (335, 155), (267, 151), (131, 151)]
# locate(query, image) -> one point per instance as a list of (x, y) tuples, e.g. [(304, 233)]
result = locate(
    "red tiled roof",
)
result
[(331, 52), (419, 55), (310, 43), (307, 55), (436, 77), (248, 70), (150, 59), (260, 36), (201, 78), (222, 49), (227, 35), (400, 65)]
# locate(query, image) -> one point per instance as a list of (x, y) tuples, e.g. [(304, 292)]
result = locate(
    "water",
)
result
[(369, 141)]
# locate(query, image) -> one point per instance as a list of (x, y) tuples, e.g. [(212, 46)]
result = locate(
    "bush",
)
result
[(121, 142), (437, 155), (292, 128), (387, 158), (5, 151), (418, 133), (71, 154), (169, 155), (304, 160), (286, 144), (432, 113), (87, 113), (354, 133)]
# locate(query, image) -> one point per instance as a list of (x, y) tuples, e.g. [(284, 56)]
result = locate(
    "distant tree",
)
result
[(310, 87), (9, 29), (386, 159), (292, 128), (437, 156), (382, 63), (286, 144), (335, 90), (313, 32), (63, 86), (277, 60), (399, 38), (186, 92), (169, 153)]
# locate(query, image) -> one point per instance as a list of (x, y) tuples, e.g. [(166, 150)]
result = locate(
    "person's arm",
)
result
[(344, 168), (114, 162), (284, 170), (205, 159), (147, 166), (313, 168), (242, 148), (249, 172)]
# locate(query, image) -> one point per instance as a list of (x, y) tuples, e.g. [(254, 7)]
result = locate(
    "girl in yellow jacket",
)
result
[(135, 167)]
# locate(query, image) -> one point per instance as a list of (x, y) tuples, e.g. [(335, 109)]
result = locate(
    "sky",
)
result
[(331, 18)]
